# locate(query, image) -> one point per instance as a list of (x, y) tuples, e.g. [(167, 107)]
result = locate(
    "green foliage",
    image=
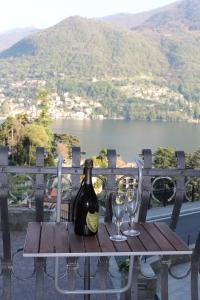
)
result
[(101, 160), (37, 135), (12, 133), (189, 160), (82, 48), (195, 159), (20, 187), (23, 137), (44, 118), (50, 159), (109, 96), (64, 143), (123, 265), (24, 47), (102, 154), (164, 158)]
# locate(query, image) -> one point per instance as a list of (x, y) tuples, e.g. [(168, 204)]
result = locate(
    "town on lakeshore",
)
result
[(15, 98), (69, 107)]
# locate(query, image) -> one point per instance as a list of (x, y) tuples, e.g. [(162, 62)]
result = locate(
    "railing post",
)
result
[(75, 179), (180, 193), (146, 186), (180, 189), (110, 184), (39, 198), (6, 263), (40, 188), (195, 269)]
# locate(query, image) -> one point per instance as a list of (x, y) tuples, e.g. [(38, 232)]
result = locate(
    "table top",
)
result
[(51, 239)]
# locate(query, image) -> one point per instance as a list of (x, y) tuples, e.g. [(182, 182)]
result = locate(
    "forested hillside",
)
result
[(9, 38), (154, 66)]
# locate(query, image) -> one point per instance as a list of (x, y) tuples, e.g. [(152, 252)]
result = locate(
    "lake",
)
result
[(130, 137)]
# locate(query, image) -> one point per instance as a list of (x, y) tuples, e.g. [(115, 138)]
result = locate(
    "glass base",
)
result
[(118, 238), (131, 232)]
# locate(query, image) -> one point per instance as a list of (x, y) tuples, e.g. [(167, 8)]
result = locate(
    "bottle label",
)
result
[(92, 221)]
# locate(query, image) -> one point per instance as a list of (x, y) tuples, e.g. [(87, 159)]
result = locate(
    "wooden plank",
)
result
[(146, 239), (76, 243), (32, 238), (172, 237), (134, 242), (105, 243), (159, 238), (91, 244), (61, 241), (47, 244), (119, 246)]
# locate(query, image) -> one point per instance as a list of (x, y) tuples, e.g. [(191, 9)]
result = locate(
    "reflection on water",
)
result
[(130, 137)]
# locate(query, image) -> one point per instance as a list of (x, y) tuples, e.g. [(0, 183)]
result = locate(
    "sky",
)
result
[(46, 13)]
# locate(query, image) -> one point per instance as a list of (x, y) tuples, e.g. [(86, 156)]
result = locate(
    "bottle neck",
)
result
[(88, 176)]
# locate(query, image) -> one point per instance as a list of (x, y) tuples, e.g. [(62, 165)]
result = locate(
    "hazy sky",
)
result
[(44, 13)]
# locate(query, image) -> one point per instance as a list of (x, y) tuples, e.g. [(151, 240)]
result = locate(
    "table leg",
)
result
[(136, 271), (39, 272), (87, 277), (164, 278), (7, 275), (103, 269), (72, 267), (194, 279), (95, 291)]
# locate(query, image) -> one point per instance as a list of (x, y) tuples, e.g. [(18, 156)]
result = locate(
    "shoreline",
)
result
[(189, 121)]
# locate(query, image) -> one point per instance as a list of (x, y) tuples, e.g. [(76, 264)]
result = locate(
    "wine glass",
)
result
[(118, 207), (131, 207)]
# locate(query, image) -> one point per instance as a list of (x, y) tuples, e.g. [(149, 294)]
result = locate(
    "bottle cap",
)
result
[(88, 163)]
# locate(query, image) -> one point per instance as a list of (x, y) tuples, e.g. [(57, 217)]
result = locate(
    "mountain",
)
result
[(178, 30), (163, 51), (9, 38), (85, 47), (183, 15), (134, 20)]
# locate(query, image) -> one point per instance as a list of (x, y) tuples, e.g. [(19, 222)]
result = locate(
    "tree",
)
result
[(164, 158), (34, 136), (11, 135), (101, 160), (63, 143), (188, 160), (195, 159), (44, 118)]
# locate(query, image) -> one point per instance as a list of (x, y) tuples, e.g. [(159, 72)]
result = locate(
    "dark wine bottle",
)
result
[(86, 208)]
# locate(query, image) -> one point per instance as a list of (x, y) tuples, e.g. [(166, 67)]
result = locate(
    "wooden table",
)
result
[(58, 240)]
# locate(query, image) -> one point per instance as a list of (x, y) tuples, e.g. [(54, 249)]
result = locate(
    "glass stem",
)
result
[(131, 222), (118, 228)]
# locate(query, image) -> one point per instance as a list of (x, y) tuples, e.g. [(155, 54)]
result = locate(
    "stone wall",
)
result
[(20, 217)]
